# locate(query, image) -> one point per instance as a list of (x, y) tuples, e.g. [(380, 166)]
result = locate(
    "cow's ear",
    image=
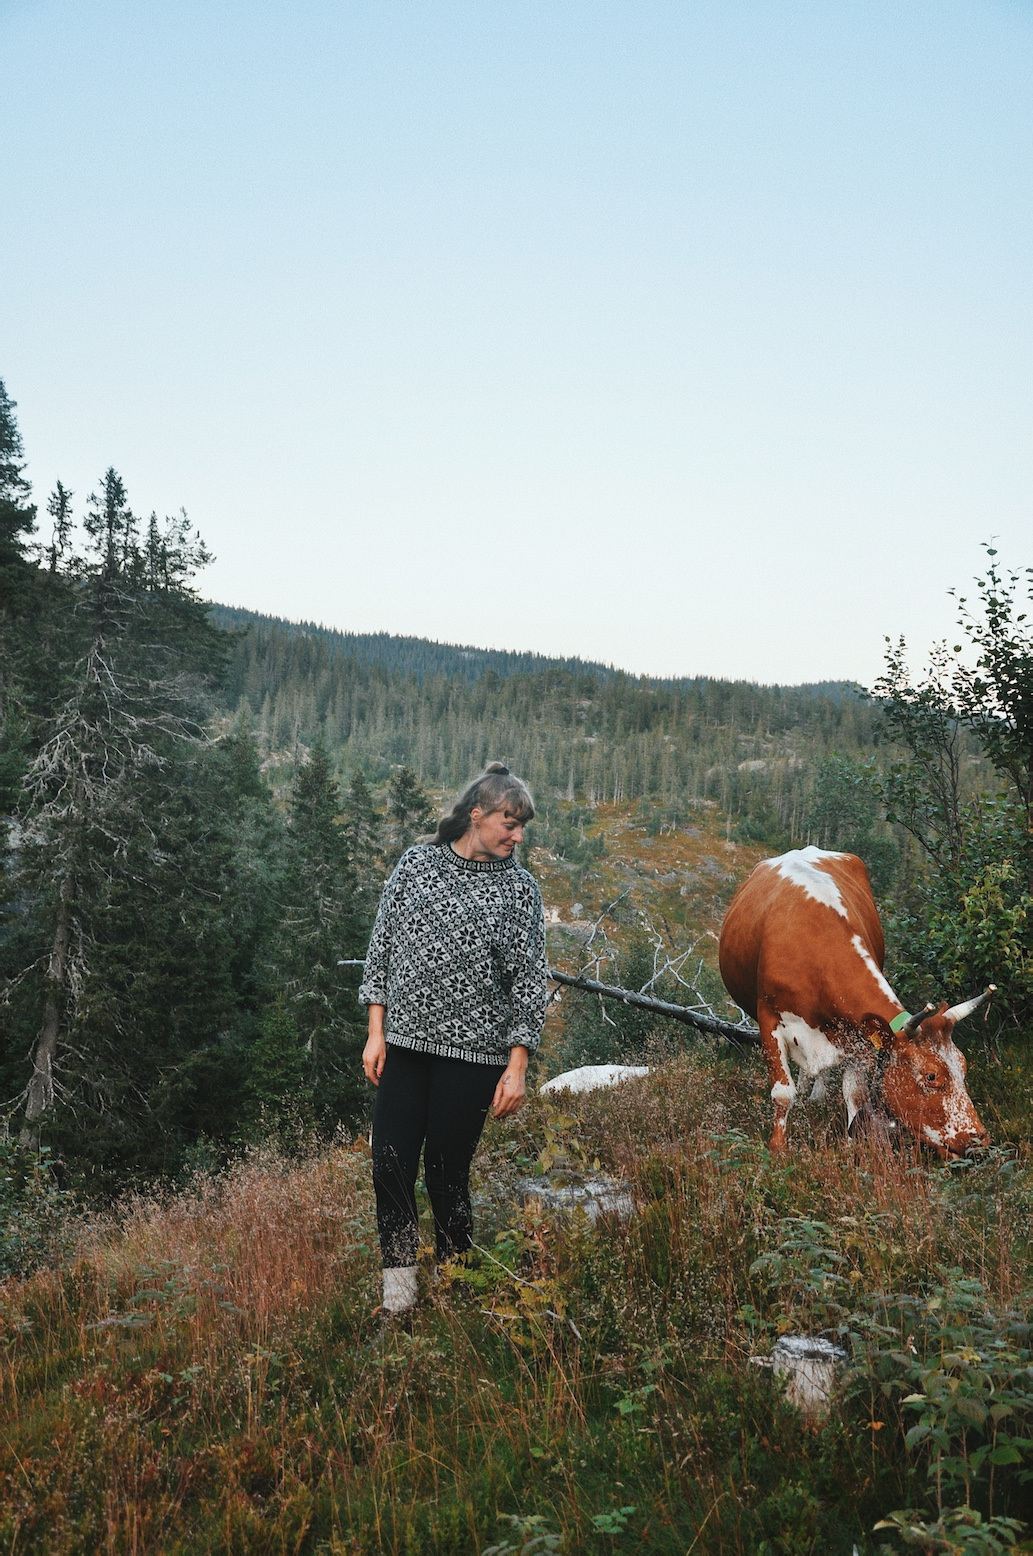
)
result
[(877, 1030)]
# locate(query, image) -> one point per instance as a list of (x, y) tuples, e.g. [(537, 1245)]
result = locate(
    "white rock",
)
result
[(808, 1365), (591, 1076), (596, 1196)]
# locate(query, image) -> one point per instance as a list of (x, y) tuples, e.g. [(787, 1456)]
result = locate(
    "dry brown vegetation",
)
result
[(206, 1374), (685, 874)]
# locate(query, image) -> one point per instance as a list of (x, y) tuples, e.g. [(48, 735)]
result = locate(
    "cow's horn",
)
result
[(959, 1012), (917, 1019)]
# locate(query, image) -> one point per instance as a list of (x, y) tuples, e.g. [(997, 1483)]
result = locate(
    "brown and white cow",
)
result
[(802, 951)]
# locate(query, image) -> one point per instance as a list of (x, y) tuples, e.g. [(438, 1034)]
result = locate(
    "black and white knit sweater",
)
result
[(458, 956)]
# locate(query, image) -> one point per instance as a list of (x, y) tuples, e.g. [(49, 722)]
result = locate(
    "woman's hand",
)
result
[(511, 1089), (375, 1051)]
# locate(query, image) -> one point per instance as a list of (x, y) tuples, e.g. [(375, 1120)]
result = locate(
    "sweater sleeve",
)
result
[(529, 988), (373, 988)]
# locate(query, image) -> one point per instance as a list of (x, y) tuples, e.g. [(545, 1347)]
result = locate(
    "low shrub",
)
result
[(36, 1214)]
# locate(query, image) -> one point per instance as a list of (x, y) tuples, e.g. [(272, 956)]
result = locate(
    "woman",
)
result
[(455, 984)]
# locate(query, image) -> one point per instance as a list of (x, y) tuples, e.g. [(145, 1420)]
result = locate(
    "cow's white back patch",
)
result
[(874, 968), (800, 866)]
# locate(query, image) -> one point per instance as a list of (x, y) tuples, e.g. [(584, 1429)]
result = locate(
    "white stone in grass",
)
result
[(596, 1196), (590, 1077), (807, 1364), (400, 1288)]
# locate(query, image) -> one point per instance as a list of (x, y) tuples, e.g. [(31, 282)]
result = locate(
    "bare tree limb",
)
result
[(741, 1036)]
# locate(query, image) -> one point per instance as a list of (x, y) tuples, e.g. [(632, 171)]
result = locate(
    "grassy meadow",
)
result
[(204, 1373), (200, 1369)]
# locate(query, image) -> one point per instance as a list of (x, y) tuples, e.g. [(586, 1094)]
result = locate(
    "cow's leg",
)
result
[(783, 1087)]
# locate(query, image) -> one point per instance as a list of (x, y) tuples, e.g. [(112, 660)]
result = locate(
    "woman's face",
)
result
[(494, 834)]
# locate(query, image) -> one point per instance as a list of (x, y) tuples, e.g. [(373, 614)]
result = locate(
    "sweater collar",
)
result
[(479, 866)]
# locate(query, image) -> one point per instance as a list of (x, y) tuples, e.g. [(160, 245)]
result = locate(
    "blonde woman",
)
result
[(456, 989)]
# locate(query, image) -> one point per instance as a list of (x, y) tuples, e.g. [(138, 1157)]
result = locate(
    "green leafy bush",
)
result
[(962, 1531), (969, 920), (987, 936), (963, 1373), (955, 1371), (35, 1213)]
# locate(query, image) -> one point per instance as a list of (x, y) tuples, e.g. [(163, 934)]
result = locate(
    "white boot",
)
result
[(400, 1290)]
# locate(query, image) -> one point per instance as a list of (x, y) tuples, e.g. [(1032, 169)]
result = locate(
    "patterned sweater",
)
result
[(458, 956)]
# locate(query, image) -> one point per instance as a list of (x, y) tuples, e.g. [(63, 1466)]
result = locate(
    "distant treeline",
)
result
[(409, 656), (574, 730)]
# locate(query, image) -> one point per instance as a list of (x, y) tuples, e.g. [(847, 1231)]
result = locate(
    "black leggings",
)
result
[(437, 1105)]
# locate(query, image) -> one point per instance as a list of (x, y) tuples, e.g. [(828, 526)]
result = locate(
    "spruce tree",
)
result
[(18, 604), (102, 786), (59, 506), (364, 833), (279, 1069), (409, 810), (17, 513), (322, 925)]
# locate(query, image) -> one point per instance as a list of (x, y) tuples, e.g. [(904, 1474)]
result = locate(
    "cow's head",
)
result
[(923, 1081)]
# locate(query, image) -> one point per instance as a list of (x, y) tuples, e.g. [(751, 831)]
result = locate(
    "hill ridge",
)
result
[(424, 657)]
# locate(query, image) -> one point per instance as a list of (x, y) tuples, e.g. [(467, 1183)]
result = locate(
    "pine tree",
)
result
[(18, 600), (364, 831), (101, 783), (59, 506), (279, 1068), (189, 959), (322, 925), (17, 514), (410, 812), (113, 528)]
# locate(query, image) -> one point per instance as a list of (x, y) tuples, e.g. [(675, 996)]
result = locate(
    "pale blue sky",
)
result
[(695, 337)]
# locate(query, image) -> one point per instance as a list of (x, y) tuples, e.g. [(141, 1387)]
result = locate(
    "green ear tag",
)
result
[(900, 1022)]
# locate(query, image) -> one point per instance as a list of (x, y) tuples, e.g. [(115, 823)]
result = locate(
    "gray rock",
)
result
[(596, 1196)]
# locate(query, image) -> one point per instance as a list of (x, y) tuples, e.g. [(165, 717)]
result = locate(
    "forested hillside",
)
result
[(417, 657), (200, 806), (576, 731)]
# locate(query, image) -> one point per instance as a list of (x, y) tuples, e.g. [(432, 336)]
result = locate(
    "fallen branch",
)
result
[(742, 1036)]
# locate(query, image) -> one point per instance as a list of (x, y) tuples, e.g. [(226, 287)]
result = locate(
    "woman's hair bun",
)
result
[(497, 767)]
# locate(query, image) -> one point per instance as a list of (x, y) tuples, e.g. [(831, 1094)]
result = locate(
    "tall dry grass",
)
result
[(206, 1374)]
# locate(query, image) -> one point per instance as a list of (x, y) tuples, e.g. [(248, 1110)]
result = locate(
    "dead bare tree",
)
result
[(121, 719)]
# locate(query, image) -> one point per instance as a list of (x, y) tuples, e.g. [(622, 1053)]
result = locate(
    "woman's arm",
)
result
[(373, 988), (528, 996), (511, 1089), (528, 985), (375, 1051)]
